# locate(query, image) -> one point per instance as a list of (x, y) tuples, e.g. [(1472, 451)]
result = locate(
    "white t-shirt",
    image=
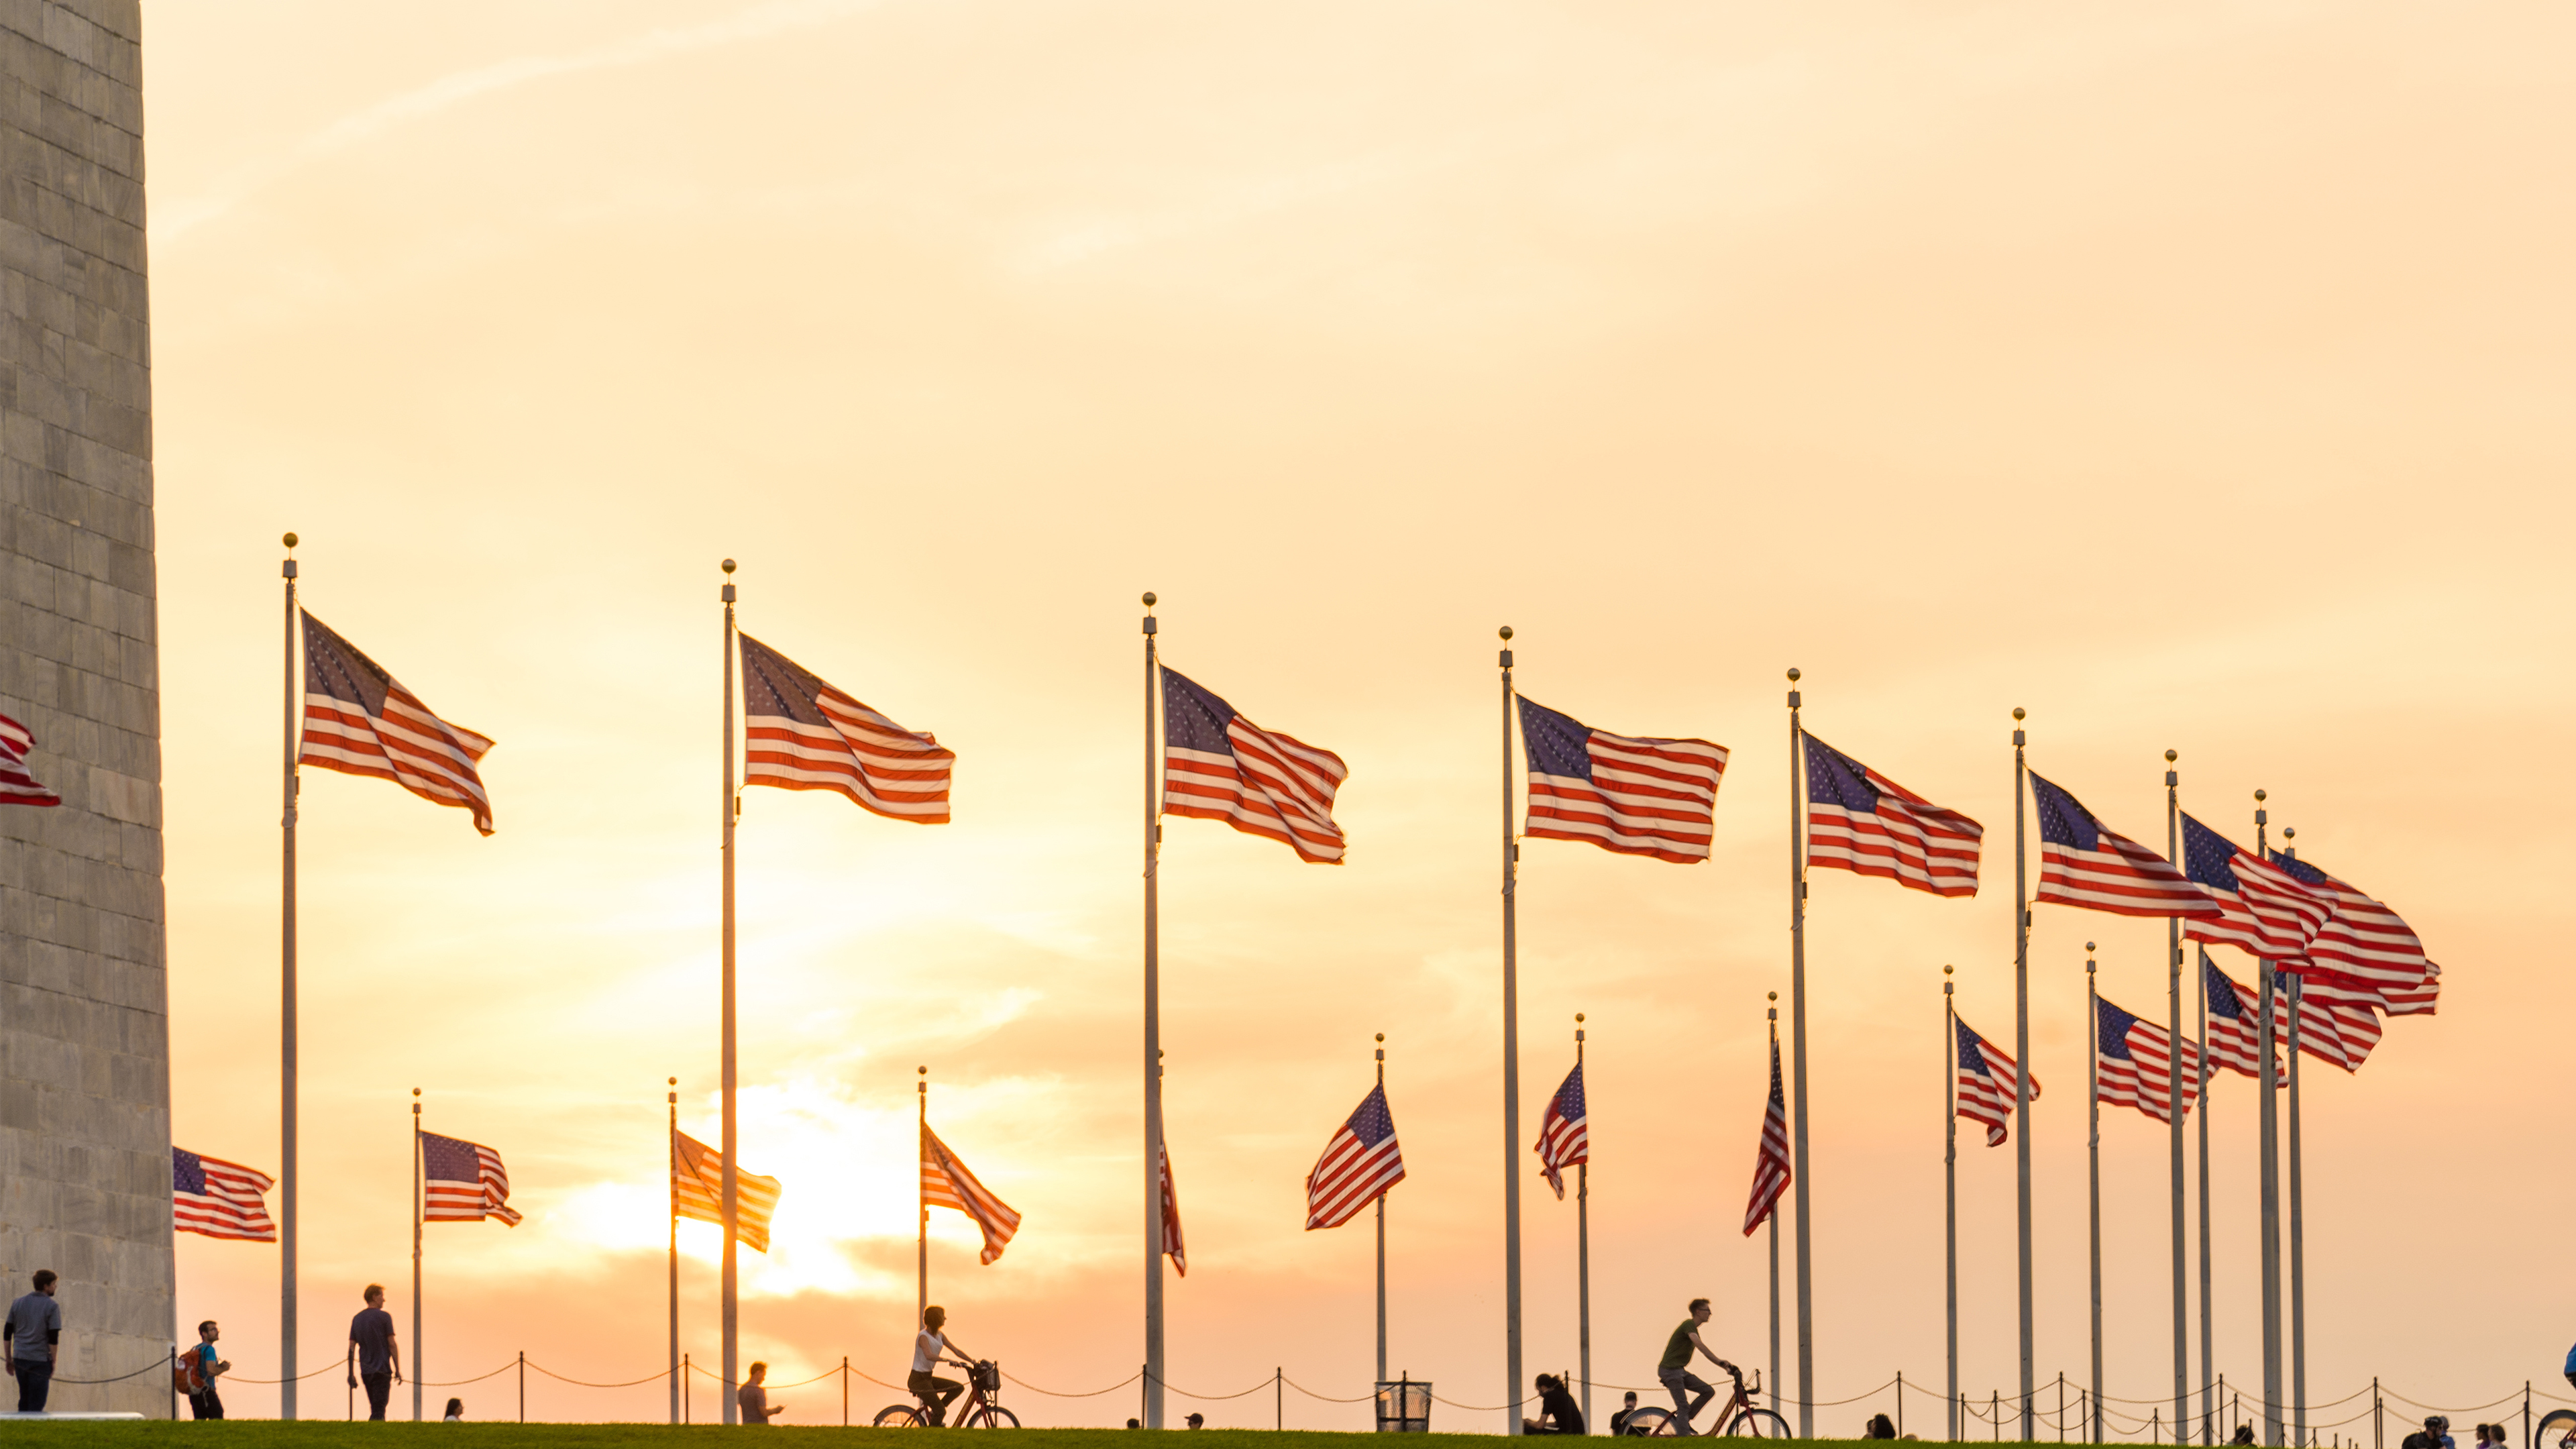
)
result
[(926, 1350)]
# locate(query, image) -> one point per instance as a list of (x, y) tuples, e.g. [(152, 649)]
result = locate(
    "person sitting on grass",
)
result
[(1558, 1413), (455, 1411)]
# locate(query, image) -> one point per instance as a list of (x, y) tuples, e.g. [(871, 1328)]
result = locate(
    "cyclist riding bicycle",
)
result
[(1673, 1371), (930, 1348)]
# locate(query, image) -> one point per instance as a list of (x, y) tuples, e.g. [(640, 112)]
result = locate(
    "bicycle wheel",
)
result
[(1757, 1424), (2557, 1428), (1648, 1422), (897, 1416), (991, 1416)]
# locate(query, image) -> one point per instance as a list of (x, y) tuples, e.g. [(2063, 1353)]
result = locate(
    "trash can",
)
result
[(1404, 1406)]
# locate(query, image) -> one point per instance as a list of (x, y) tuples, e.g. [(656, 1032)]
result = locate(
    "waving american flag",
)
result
[(2235, 1030), (2365, 954), (1861, 821), (945, 1182), (1632, 795), (219, 1199), (1359, 1164), (2262, 909), (800, 733), (17, 787), (2133, 1063), (463, 1182), (2081, 863), (1172, 1215), (1771, 1159), (1988, 1081), (1564, 1135), (697, 1192), (359, 720), (1217, 765)]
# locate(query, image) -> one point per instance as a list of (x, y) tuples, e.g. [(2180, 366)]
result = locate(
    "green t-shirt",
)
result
[(1677, 1352)]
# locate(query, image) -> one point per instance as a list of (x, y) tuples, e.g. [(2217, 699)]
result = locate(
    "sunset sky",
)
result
[(2195, 376)]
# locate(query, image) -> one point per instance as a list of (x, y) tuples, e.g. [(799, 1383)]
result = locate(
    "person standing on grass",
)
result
[(35, 1332), (203, 1369), (753, 1396), (375, 1359)]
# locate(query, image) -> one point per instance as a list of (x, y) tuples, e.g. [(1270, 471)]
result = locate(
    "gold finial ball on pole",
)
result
[(2017, 712), (2258, 797), (2289, 832), (2088, 948), (1149, 598), (1946, 970), (1774, 995), (1793, 675), (1381, 1036), (925, 1071), (290, 540), (2170, 757), (1578, 1016), (727, 565), (675, 1081), (1504, 633)]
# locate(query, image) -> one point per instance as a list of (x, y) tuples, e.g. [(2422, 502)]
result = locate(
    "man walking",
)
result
[(374, 1358), (203, 1369), (1674, 1369), (35, 1332)]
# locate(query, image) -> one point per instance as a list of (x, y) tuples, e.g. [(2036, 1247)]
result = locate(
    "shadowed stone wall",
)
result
[(84, 1019)]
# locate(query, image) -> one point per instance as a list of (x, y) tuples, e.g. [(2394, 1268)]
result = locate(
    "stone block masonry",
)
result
[(84, 999)]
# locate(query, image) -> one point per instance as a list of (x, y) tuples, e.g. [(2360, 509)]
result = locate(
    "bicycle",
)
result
[(979, 1411), (2557, 1430), (1743, 1419)]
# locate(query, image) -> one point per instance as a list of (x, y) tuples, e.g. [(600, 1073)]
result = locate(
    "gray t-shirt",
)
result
[(34, 1322), (373, 1332)]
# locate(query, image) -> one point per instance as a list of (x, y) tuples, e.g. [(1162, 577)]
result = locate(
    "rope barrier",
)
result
[(1207, 1398), (299, 1378), (1326, 1398), (120, 1378), (587, 1384), (1052, 1394), (458, 1383)]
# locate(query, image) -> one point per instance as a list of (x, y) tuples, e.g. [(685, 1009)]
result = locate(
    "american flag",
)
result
[(799, 733), (1636, 796), (2235, 1033), (945, 1182), (1217, 765), (1172, 1214), (219, 1199), (2365, 954), (2133, 1063), (17, 787), (2329, 1030), (2419, 999), (2261, 908), (1359, 1164), (1987, 1082), (697, 1192), (359, 720), (1564, 1139), (1861, 821), (2084, 864), (1771, 1159), (463, 1182)]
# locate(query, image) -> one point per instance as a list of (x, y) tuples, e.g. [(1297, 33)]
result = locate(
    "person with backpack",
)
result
[(202, 1368)]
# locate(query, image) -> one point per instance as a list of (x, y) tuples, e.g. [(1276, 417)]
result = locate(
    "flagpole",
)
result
[(2093, 1160), (1153, 1057), (2021, 1077), (1381, 1234), (730, 1190), (2267, 1035), (286, 1175), (673, 1100), (2173, 1003), (2298, 1204), (2208, 1320), (1583, 1239), (417, 1359), (1511, 1079), (1949, 1196), (1798, 1060), (921, 1291)]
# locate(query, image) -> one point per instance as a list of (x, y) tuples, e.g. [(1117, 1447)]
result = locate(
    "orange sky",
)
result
[(2194, 377)]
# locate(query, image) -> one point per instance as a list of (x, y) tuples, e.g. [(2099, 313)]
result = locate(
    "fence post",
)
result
[(523, 1386), (1278, 1398), (2375, 1430), (685, 1386), (1900, 1404), (174, 1388), (2526, 1411), (1144, 1385), (845, 1391), (1995, 1411)]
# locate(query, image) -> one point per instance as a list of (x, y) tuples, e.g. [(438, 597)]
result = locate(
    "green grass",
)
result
[(270, 1434)]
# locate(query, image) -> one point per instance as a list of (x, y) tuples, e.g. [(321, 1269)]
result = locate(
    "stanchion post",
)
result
[(845, 1391), (523, 1386), (684, 1388), (1279, 1397)]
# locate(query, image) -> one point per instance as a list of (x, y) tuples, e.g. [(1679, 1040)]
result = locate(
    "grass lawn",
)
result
[(270, 1434)]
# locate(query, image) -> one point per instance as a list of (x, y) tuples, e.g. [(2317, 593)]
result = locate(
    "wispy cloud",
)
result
[(358, 129)]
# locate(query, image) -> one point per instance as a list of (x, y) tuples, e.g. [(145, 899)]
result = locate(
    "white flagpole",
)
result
[(1798, 1059), (672, 1191), (1512, 1391), (2181, 1236), (2093, 1164), (2208, 1319), (1381, 1234), (287, 1175), (1949, 1188), (419, 1361), (1583, 1236), (921, 1204), (2021, 1077), (1773, 1016), (730, 1189), (2269, 1034), (1153, 1396)]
